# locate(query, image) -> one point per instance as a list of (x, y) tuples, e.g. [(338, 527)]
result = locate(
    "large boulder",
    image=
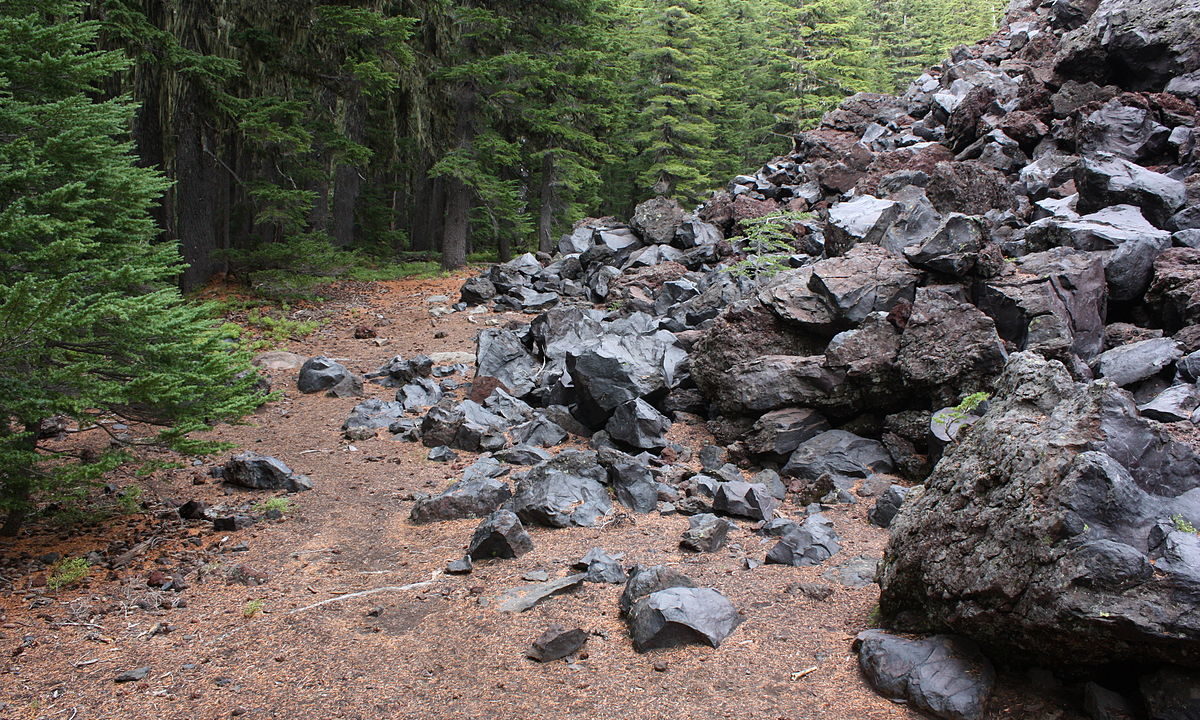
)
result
[(260, 472), (1174, 291), (945, 676), (1105, 180), (477, 494), (503, 356), (564, 492), (1054, 529), (321, 373), (948, 346), (658, 219), (1053, 302), (682, 616), (1138, 44)]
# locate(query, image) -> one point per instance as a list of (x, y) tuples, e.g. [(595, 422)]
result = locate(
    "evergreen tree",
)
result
[(90, 322)]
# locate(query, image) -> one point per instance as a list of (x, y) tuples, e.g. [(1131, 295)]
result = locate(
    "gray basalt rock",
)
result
[(1170, 694), (602, 567), (556, 643), (948, 346), (952, 248), (887, 506), (706, 533), (945, 676), (1104, 180), (1174, 291), (842, 454), (864, 219), (682, 616), (658, 220), (320, 373), (564, 492), (632, 482), (1128, 364), (812, 543), (779, 432), (1053, 302), (373, 413), (1056, 503), (501, 355), (477, 494), (639, 424), (500, 535), (646, 580), (1140, 45), (743, 499), (260, 472), (866, 279)]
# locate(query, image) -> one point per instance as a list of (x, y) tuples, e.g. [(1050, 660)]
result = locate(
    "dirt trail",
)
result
[(439, 651)]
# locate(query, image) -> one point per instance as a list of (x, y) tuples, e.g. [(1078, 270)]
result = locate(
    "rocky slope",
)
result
[(1023, 223)]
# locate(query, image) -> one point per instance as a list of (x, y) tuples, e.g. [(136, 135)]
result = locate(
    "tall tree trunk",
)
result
[(458, 195), (454, 234), (546, 214), (195, 192), (347, 182)]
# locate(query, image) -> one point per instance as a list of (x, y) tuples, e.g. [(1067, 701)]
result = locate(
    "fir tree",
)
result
[(90, 322)]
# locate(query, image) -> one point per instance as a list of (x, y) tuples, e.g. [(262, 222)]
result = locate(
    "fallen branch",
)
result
[(803, 673), (364, 593)]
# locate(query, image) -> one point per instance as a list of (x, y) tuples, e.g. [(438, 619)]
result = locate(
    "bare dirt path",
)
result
[(439, 650)]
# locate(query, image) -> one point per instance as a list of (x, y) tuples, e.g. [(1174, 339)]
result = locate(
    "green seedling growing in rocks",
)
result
[(768, 242), (964, 407), (1182, 525), (67, 572), (252, 608), (282, 505)]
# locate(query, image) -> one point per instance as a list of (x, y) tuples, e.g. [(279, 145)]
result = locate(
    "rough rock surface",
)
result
[(1046, 531), (682, 616), (945, 676)]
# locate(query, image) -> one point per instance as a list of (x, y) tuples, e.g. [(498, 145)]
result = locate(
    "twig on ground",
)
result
[(364, 593), (803, 673)]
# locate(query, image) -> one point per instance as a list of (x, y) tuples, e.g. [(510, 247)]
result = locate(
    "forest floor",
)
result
[(301, 645)]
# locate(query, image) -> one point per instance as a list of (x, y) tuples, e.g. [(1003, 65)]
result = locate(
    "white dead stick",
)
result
[(373, 591), (803, 673)]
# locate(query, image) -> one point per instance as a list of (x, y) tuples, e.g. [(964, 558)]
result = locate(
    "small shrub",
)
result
[(964, 407), (252, 608), (768, 242), (1182, 525), (283, 505), (67, 572)]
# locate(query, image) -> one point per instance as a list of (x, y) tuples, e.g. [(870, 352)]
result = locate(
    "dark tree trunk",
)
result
[(546, 214), (195, 192), (347, 182), (454, 234)]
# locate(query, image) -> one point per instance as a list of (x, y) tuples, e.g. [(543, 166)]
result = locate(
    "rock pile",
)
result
[(1022, 222)]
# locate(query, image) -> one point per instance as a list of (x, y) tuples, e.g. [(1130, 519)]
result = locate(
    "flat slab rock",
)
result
[(524, 597), (260, 472), (942, 675), (682, 616)]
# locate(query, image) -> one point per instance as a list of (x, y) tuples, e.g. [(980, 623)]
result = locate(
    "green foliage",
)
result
[(1182, 525), (129, 500), (90, 321), (966, 406), (282, 505), (276, 327), (767, 242), (252, 608), (67, 572)]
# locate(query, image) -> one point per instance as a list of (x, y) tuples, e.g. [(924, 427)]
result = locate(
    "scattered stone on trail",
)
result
[(524, 597), (373, 413), (321, 373), (887, 506), (682, 616), (743, 499), (193, 510), (260, 472), (500, 535), (557, 642), (522, 455), (564, 492), (133, 675), (477, 494), (232, 523), (602, 567), (279, 360), (461, 566), (812, 543), (646, 580), (441, 453), (706, 533), (945, 676), (857, 572)]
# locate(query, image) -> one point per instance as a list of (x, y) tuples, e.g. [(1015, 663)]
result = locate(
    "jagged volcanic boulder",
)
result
[(681, 616), (478, 493), (1054, 529), (564, 492)]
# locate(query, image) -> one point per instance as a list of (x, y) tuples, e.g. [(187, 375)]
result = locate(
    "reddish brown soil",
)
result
[(437, 651)]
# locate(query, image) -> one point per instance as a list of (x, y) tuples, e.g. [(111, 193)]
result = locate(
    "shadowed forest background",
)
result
[(294, 130)]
